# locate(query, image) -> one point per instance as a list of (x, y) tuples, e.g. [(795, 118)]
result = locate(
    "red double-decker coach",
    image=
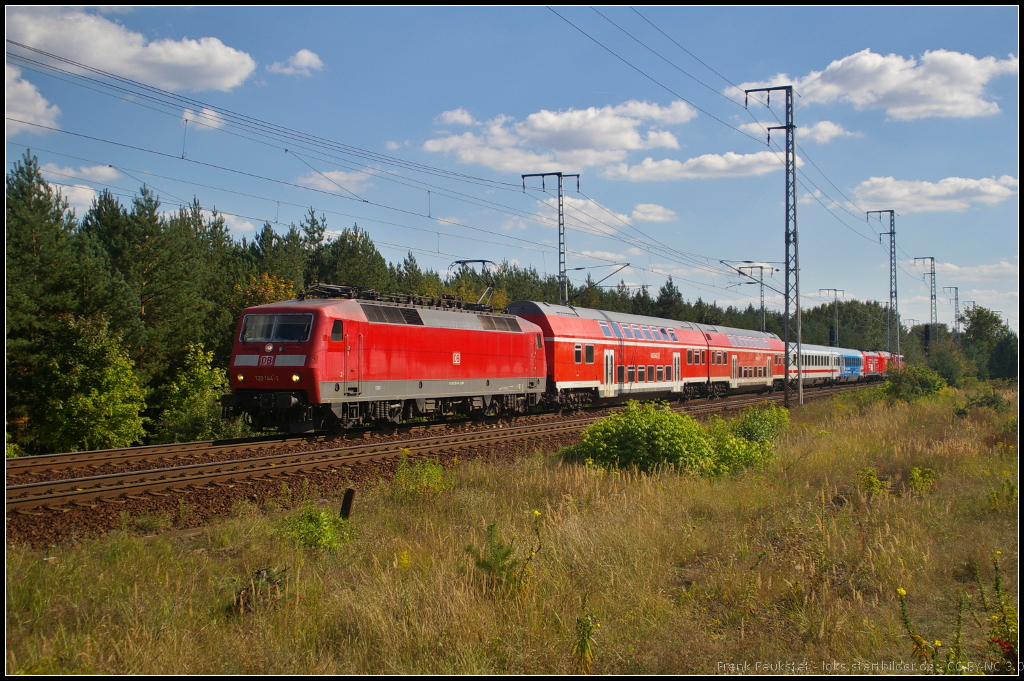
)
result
[(595, 354)]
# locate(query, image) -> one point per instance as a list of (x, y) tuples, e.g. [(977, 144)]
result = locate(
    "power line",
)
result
[(651, 78), (248, 122)]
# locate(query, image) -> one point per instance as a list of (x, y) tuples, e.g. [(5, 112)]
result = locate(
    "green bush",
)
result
[(316, 528), (651, 435), (921, 480), (762, 423), (421, 478), (646, 436), (911, 383), (990, 399), (872, 485), (733, 452), (191, 410)]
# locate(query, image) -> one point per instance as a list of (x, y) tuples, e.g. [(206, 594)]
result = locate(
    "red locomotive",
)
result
[(337, 358)]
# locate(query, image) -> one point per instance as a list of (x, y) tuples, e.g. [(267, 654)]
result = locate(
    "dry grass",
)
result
[(796, 564)]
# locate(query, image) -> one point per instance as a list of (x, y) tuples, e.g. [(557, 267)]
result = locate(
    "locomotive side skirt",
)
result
[(331, 391)]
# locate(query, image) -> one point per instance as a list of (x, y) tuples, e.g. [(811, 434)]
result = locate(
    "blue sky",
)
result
[(909, 109)]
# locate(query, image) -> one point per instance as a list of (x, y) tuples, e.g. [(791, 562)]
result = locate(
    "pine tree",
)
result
[(353, 260)]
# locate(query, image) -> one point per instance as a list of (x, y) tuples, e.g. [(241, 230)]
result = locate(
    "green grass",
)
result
[(628, 572)]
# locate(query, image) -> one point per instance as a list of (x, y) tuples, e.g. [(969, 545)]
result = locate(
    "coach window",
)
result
[(626, 330), (647, 333), (605, 330), (725, 358), (661, 374), (675, 339), (641, 375), (615, 330), (539, 344), (650, 372), (637, 332), (589, 349), (620, 374), (336, 331), (689, 356), (668, 372), (631, 374), (577, 354)]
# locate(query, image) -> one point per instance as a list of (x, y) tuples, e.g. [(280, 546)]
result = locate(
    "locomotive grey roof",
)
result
[(529, 307), (384, 312)]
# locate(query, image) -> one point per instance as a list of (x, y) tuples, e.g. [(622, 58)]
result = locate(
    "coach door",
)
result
[(677, 379), (735, 366), (609, 373), (353, 369)]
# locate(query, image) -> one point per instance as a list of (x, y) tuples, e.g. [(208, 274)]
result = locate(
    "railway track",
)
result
[(177, 476)]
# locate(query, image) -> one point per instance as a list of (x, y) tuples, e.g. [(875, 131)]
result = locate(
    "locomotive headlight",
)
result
[(296, 378), (240, 377), (269, 347)]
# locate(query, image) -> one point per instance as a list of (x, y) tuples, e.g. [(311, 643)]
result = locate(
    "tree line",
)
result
[(120, 322)]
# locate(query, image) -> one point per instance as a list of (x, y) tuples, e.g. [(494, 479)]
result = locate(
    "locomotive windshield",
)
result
[(276, 328)]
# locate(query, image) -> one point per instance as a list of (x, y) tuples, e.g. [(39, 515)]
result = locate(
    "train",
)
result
[(338, 357)]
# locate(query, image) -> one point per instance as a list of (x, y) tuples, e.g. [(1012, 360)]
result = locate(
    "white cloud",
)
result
[(473, 149), (601, 129), (90, 173), (514, 223), (950, 194), (302, 63), (583, 215), (567, 140), (393, 145), (186, 64), (729, 164), (1003, 270), (79, 197), (236, 224), (206, 118), (811, 198), (942, 83), (602, 255), (652, 212), (329, 181), (824, 132), (457, 117), (821, 132), (23, 102)]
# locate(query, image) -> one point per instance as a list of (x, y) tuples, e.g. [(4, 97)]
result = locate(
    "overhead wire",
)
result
[(532, 245), (414, 183), (142, 89)]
